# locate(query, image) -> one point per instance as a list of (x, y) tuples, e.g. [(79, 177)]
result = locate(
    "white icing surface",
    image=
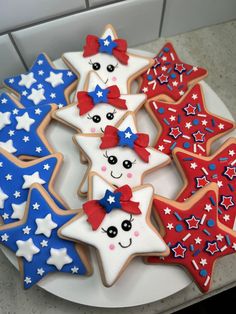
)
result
[(27, 80), (59, 258), (8, 146), (4, 119), (26, 249), (24, 122), (30, 179), (18, 210), (37, 95), (55, 79), (3, 197), (45, 225)]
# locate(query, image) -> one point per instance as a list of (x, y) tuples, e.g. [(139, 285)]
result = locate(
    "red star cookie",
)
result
[(187, 124), (169, 77), (195, 236), (220, 168)]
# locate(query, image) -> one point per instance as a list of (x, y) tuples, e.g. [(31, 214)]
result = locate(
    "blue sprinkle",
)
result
[(210, 223), (173, 146), (179, 228), (169, 87), (177, 216), (199, 107), (212, 167), (191, 247), (209, 130), (188, 159), (179, 118), (206, 232), (213, 122), (212, 201), (149, 77), (161, 110), (181, 86), (214, 176), (231, 187), (203, 273), (219, 211), (196, 252), (166, 49), (169, 70), (186, 145), (195, 122), (189, 72), (223, 158), (167, 63), (227, 239), (169, 244), (193, 192), (173, 75), (166, 121), (160, 54)]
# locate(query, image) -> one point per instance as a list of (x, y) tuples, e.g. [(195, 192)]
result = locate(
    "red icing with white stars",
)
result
[(169, 76), (219, 168), (195, 237), (187, 124)]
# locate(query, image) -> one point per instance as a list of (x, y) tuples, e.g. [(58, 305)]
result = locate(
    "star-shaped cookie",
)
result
[(169, 78), (102, 114), (187, 124), (120, 235), (43, 84), (220, 168), (22, 129), (111, 70), (35, 241), (193, 233), (119, 164), (17, 176)]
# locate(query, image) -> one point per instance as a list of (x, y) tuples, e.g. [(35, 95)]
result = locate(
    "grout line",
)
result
[(162, 17), (17, 50)]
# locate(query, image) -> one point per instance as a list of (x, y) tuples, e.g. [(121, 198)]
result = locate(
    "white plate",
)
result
[(140, 283)]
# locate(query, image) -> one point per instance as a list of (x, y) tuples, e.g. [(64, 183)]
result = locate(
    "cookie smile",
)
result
[(125, 246), (102, 130), (118, 177)]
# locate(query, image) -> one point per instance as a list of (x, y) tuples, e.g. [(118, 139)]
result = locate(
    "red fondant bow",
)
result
[(92, 48), (85, 102), (110, 139), (96, 212)]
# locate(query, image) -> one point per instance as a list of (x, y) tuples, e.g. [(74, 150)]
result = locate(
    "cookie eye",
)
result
[(127, 164), (111, 231), (110, 68), (126, 225), (112, 160), (110, 116), (96, 118), (96, 66)]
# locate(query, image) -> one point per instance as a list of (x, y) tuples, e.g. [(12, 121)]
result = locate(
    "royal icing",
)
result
[(194, 235), (220, 168), (101, 114), (43, 84), (169, 77), (119, 164), (187, 124), (19, 128), (16, 177), (120, 235), (111, 70), (35, 241)]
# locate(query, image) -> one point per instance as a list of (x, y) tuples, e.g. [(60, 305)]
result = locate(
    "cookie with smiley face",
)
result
[(120, 155), (110, 58), (116, 221)]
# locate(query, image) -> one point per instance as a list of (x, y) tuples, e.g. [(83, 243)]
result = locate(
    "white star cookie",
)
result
[(111, 71), (119, 165), (120, 236), (103, 114)]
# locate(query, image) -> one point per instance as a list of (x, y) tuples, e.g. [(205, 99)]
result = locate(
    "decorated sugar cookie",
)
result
[(98, 106), (169, 78), (187, 124), (35, 241), (17, 176), (194, 235), (22, 129), (110, 58), (116, 221), (219, 168), (43, 84), (120, 155)]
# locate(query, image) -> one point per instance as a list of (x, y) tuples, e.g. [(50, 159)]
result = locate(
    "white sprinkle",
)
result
[(202, 115), (200, 147), (171, 109), (181, 78), (195, 264), (233, 162), (155, 105), (155, 71), (187, 236), (194, 147), (204, 170), (186, 136), (166, 141), (172, 56), (207, 281), (148, 71), (223, 248), (203, 219)]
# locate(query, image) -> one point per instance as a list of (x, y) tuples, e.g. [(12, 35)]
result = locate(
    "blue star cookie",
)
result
[(21, 130), (43, 84), (36, 243), (17, 176)]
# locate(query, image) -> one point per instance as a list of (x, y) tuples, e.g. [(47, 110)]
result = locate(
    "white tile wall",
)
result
[(15, 13), (136, 20), (10, 63), (186, 15), (93, 3)]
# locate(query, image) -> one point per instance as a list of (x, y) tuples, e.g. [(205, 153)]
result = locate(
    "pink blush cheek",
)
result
[(112, 247), (103, 168), (114, 78), (129, 175), (136, 234), (93, 130)]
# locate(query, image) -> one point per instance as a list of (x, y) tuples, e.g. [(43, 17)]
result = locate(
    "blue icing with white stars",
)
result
[(18, 128), (36, 242), (15, 182), (43, 84)]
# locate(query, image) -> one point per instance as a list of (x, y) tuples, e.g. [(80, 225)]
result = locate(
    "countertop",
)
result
[(215, 49)]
